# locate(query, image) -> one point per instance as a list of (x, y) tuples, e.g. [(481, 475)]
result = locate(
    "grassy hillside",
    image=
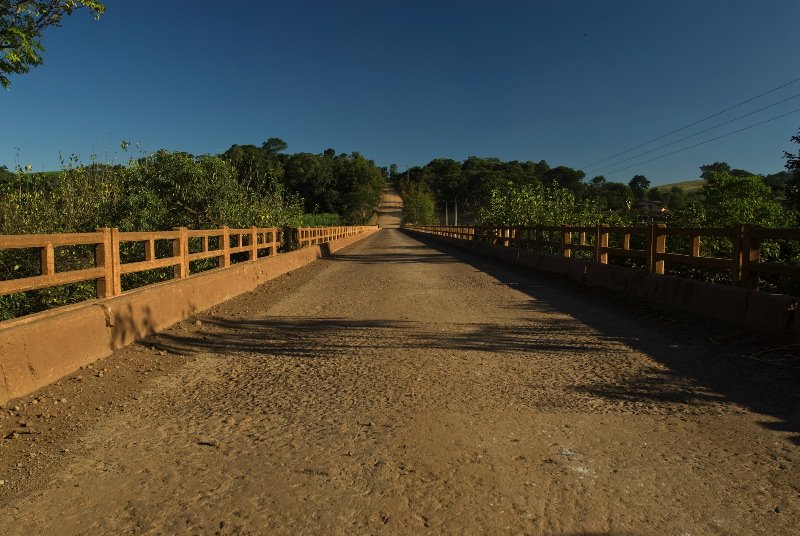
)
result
[(688, 186)]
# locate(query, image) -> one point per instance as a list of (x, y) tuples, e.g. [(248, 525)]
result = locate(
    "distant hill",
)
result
[(689, 186)]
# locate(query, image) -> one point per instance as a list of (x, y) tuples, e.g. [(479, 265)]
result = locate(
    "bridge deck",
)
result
[(395, 387)]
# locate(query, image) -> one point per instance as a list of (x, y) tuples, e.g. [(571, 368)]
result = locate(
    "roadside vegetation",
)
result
[(243, 187), (491, 192)]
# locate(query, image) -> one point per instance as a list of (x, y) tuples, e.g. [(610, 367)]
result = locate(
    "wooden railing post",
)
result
[(104, 257), (656, 245), (750, 255), (253, 243), (48, 260), (225, 260), (661, 247), (116, 261), (601, 242), (150, 250), (287, 236), (695, 246), (273, 248), (566, 242), (180, 249)]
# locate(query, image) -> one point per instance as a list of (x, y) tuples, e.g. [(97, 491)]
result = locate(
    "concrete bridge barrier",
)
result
[(769, 313), (41, 348)]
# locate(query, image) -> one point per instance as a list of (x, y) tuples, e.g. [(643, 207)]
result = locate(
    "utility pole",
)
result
[(446, 220), (456, 213)]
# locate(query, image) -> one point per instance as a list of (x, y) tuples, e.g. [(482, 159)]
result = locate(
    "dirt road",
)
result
[(390, 210), (400, 389)]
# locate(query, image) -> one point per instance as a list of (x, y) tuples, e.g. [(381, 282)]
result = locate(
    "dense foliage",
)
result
[(21, 25), (496, 193), (348, 185), (492, 191), (157, 192), (419, 205), (246, 186), (535, 204)]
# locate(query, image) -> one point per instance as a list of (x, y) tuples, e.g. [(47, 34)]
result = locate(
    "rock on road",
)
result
[(397, 388)]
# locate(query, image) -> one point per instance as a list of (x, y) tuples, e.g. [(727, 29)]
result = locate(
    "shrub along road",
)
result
[(396, 387)]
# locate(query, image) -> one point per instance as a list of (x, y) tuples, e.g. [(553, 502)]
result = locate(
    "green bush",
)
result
[(419, 205), (157, 192)]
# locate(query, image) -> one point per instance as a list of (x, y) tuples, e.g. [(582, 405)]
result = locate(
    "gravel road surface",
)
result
[(399, 388)]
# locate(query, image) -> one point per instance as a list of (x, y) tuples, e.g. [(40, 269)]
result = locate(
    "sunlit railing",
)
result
[(649, 245)]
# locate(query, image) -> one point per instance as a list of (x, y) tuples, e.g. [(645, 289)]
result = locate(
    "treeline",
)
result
[(495, 193), (345, 184), (490, 191), (244, 186)]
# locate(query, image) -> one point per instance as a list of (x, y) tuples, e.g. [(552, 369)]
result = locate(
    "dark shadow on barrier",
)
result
[(706, 359)]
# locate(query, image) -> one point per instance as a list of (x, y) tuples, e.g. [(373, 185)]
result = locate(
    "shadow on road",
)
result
[(695, 372), (389, 258), (706, 360), (317, 338)]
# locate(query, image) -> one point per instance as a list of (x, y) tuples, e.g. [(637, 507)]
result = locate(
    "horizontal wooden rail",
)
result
[(107, 257), (309, 236), (40, 241), (744, 265), (51, 280), (101, 272)]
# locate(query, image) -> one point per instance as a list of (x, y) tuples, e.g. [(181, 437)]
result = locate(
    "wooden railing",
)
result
[(102, 272), (177, 249), (744, 264), (309, 236)]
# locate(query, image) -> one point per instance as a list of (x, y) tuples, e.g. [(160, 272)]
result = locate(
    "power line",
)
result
[(617, 163), (706, 141), (626, 151)]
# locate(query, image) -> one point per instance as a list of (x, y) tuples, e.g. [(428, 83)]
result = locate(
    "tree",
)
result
[(21, 25), (793, 167), (792, 161), (639, 185), (614, 195), (311, 177), (445, 178), (5, 176), (419, 204), (723, 167), (274, 146), (675, 198), (731, 200), (565, 177), (654, 194)]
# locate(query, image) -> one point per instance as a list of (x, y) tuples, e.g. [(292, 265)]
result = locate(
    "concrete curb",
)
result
[(769, 313), (39, 349)]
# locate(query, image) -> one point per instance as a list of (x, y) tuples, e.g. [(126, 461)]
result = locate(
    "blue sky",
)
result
[(408, 81)]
